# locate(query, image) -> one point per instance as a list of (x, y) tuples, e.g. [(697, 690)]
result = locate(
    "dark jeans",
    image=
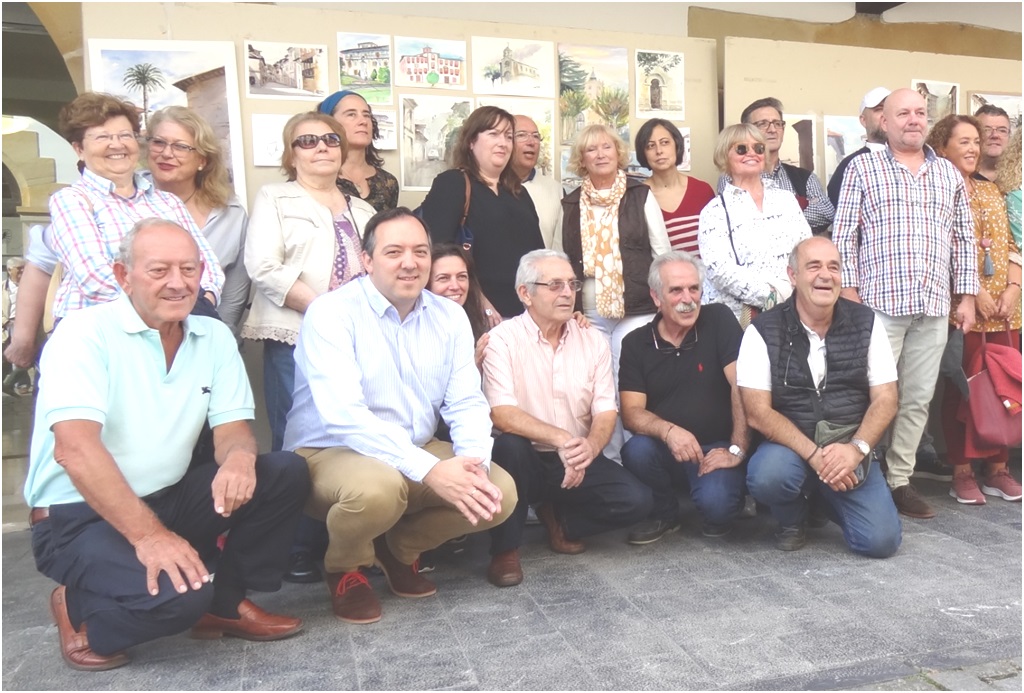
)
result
[(278, 386), (106, 583), (717, 495), (608, 498)]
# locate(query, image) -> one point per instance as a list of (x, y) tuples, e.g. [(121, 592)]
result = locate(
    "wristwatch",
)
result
[(861, 445), (737, 451)]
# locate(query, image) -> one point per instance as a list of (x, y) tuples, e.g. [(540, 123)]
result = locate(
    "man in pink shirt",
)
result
[(552, 396)]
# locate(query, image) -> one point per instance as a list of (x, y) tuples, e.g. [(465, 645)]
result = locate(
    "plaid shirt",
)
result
[(88, 221), (905, 240)]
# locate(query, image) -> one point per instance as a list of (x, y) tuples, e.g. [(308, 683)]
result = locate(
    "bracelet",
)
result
[(1013, 284), (670, 427), (811, 456)]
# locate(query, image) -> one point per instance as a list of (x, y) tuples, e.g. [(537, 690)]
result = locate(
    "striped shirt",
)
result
[(88, 221), (682, 224), (565, 386), (904, 238), (375, 384)]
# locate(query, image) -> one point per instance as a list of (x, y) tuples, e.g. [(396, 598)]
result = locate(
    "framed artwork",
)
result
[(843, 136), (267, 138), (593, 87), (430, 124), (513, 67), (387, 126), (286, 71), (364, 66), (1008, 102), (941, 98), (430, 63), (659, 77), (798, 144)]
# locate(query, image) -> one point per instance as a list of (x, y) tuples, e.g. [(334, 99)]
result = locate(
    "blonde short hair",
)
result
[(731, 136), (587, 137)]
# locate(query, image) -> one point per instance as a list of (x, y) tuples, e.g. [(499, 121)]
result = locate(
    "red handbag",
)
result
[(994, 406)]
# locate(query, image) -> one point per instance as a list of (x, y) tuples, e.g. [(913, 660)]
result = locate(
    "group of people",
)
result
[(434, 373)]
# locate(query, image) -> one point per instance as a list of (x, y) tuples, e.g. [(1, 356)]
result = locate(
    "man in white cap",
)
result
[(871, 119)]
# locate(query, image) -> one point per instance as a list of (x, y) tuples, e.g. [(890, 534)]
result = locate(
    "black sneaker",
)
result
[(932, 468), (302, 568), (650, 531), (715, 531), (791, 538)]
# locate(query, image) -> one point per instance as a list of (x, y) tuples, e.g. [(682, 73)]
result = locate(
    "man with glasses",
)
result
[(677, 385), (818, 380), (550, 387), (766, 115), (545, 191), (995, 135)]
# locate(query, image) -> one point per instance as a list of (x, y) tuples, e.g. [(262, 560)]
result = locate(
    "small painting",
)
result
[(843, 136), (430, 63), (660, 80), (593, 87), (941, 98), (430, 125), (286, 70), (513, 67), (542, 112), (1008, 102), (364, 65), (267, 142), (387, 128), (798, 142)]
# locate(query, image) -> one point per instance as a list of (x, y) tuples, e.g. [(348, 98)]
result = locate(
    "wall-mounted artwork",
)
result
[(364, 65), (429, 127), (1010, 103), (941, 98), (660, 79), (542, 112), (593, 88), (843, 136), (570, 181), (202, 75), (798, 143), (513, 67), (267, 142), (430, 63), (387, 127), (286, 70)]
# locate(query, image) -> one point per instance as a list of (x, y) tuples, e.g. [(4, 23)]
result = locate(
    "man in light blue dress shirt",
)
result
[(377, 363)]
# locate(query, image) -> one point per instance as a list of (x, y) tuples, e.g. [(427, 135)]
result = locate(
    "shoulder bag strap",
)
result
[(465, 207), (728, 225)]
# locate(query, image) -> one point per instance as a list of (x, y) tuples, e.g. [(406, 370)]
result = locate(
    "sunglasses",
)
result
[(742, 149), (331, 139)]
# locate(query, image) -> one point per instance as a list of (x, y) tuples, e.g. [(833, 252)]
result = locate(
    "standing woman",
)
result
[(958, 138), (185, 158), (660, 148), (1008, 175), (303, 241), (501, 214), (362, 173)]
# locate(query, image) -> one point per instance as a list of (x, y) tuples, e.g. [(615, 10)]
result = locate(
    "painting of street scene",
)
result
[(1008, 102), (843, 136), (593, 87), (430, 63), (201, 75), (513, 67), (286, 71), (941, 98), (430, 125), (364, 62)]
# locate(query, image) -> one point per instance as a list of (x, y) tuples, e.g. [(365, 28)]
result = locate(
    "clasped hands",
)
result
[(835, 465), (465, 483), (576, 455), (685, 448)]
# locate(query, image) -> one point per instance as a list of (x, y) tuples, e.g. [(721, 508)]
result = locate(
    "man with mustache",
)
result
[(545, 191), (550, 387), (818, 380), (906, 236), (677, 385)]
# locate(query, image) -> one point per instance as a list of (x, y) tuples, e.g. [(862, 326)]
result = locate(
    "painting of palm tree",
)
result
[(143, 77)]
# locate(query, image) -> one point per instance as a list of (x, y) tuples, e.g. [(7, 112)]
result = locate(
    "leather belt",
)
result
[(37, 515)]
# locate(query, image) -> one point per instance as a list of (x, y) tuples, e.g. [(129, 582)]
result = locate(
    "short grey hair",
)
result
[(654, 275), (529, 270), (15, 263), (125, 251)]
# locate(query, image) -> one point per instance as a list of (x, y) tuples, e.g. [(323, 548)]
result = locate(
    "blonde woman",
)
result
[(1008, 174)]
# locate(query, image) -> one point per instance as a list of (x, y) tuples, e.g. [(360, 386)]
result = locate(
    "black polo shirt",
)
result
[(686, 386)]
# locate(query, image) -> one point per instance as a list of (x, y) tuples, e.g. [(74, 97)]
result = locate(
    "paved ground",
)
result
[(684, 613)]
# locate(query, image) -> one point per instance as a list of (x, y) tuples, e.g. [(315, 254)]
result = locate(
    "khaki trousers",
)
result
[(361, 498)]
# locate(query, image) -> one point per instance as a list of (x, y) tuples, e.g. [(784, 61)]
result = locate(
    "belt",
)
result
[(37, 515)]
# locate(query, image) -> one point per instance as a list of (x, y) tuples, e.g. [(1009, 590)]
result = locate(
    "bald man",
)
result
[(545, 191)]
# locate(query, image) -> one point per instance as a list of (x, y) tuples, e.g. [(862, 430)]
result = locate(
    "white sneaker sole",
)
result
[(990, 491), (964, 500)]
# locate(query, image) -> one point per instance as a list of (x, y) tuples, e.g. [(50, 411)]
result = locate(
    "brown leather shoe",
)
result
[(505, 570), (909, 503), (253, 623), (74, 645), (556, 533), (352, 598), (404, 580)]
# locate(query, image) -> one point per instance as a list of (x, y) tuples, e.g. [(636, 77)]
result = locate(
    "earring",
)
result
[(200, 168)]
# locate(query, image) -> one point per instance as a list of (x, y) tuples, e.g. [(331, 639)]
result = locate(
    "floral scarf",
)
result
[(599, 234)]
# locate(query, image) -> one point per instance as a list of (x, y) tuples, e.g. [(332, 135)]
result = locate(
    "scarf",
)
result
[(600, 238)]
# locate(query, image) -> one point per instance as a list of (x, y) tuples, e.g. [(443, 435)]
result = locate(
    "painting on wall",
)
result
[(387, 128), (286, 70), (941, 98), (199, 74), (364, 65), (542, 112), (513, 67), (429, 127), (843, 136), (1008, 102), (430, 63), (593, 87), (798, 143), (267, 140), (660, 80)]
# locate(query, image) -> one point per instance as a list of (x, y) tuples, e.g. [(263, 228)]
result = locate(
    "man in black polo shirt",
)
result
[(677, 388)]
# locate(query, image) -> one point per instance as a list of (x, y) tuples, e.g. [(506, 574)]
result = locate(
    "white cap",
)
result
[(873, 98)]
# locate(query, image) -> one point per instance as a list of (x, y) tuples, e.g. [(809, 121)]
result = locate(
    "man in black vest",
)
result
[(818, 380)]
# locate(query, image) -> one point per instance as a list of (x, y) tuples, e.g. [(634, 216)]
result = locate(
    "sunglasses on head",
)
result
[(742, 149), (331, 139)]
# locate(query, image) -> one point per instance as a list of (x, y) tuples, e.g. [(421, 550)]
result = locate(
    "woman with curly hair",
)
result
[(1008, 174)]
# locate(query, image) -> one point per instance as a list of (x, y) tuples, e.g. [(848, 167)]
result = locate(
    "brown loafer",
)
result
[(74, 645), (505, 569), (556, 533), (910, 503), (352, 598), (253, 623), (404, 580)]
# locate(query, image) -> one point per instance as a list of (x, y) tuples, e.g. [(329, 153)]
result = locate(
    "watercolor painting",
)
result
[(202, 75), (593, 88), (286, 70), (941, 98), (430, 125), (1010, 103), (542, 111), (843, 136), (364, 62), (513, 67), (267, 138), (430, 63), (798, 143), (660, 80), (387, 127)]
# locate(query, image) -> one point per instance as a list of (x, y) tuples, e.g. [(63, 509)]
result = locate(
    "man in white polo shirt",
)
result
[(119, 518)]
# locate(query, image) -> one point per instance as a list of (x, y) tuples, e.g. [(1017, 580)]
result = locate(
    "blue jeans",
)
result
[(718, 495), (779, 478), (278, 387)]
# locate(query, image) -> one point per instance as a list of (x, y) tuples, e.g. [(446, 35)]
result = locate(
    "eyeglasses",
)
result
[(558, 285), (523, 136), (986, 131), (107, 138), (331, 139), (764, 125), (157, 146), (686, 345), (785, 378), (742, 149)]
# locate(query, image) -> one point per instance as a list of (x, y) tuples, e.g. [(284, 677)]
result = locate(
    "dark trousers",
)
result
[(106, 583), (608, 498)]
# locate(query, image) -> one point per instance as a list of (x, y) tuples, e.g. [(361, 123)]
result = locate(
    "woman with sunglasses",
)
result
[(303, 241), (748, 231)]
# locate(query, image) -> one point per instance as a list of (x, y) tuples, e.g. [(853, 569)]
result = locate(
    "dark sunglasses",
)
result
[(331, 139), (742, 149)]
